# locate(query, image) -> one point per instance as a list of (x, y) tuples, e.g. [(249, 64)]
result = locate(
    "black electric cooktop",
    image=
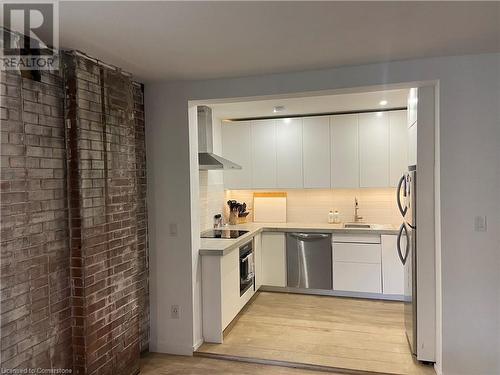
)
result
[(223, 233)]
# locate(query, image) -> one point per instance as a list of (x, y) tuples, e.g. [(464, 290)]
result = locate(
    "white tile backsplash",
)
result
[(211, 197), (312, 205)]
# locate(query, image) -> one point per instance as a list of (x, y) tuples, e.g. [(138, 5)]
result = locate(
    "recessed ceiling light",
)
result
[(383, 102), (279, 108)]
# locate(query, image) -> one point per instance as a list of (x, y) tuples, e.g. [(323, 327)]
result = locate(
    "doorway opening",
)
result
[(339, 165)]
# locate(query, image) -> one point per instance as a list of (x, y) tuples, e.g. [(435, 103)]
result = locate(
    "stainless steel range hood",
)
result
[(206, 157)]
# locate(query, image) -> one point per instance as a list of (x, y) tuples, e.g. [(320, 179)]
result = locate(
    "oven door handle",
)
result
[(249, 278), (243, 260)]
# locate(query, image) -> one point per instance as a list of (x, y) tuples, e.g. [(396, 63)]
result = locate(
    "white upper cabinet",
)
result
[(374, 149), (340, 151), (345, 151), (236, 146), (398, 146), (289, 153), (263, 154), (316, 152), (412, 107)]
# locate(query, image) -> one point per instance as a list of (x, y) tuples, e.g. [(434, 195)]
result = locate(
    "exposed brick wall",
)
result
[(108, 216), (74, 266), (35, 287), (141, 211)]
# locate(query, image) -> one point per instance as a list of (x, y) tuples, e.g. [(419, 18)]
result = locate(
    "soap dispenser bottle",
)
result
[(336, 217)]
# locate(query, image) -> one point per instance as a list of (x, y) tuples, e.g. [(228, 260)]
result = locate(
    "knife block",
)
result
[(233, 218)]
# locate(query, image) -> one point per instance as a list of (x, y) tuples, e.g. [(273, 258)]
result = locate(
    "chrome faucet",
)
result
[(357, 218)]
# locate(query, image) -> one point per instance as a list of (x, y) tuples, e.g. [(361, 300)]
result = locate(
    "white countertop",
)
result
[(220, 246)]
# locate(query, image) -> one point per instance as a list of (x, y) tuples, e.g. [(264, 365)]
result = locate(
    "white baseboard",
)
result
[(438, 369), (197, 345), (168, 348)]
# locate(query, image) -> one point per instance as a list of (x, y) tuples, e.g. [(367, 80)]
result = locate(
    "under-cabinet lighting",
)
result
[(383, 102)]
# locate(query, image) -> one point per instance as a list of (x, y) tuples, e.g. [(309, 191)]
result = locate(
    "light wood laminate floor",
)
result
[(164, 364), (343, 333)]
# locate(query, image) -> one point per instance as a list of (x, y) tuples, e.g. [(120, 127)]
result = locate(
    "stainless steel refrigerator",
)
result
[(407, 251)]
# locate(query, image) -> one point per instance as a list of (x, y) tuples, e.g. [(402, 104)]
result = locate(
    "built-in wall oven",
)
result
[(247, 273)]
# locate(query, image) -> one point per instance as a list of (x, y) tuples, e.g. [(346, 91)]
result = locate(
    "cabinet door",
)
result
[(236, 146), (257, 250), (230, 283), (374, 149), (356, 252), (392, 268), (273, 259), (316, 152), (398, 146), (289, 153), (344, 150), (264, 154), (357, 277)]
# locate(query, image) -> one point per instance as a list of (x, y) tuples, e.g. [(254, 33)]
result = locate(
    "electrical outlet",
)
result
[(480, 223), (172, 229), (174, 312)]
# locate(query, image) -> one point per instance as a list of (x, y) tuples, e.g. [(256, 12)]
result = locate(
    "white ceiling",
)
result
[(311, 104), (198, 40)]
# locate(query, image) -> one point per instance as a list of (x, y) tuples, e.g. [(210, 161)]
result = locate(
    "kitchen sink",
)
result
[(357, 225)]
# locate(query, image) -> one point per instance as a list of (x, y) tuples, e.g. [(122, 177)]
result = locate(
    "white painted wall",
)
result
[(469, 183)]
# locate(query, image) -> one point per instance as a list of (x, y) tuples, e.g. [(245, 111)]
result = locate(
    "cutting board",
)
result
[(269, 207)]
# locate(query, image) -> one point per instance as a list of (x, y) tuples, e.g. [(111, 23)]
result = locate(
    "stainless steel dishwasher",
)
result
[(309, 260)]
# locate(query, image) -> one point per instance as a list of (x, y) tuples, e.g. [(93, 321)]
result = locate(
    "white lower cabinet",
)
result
[(357, 264), (392, 268), (230, 277), (357, 277), (357, 252), (273, 259), (220, 285), (257, 251)]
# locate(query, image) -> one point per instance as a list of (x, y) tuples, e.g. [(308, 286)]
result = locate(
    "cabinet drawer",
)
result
[(357, 252), (357, 277), (357, 238)]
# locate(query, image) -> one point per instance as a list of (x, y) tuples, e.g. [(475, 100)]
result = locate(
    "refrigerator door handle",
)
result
[(398, 195), (398, 243)]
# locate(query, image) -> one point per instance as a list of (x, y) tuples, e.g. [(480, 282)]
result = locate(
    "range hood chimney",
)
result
[(206, 157)]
